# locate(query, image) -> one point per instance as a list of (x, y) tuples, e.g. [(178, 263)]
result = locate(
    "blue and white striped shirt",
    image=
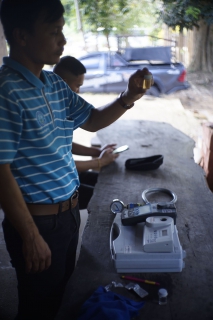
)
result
[(37, 119)]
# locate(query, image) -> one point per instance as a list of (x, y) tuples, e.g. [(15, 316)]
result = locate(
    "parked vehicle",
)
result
[(110, 71)]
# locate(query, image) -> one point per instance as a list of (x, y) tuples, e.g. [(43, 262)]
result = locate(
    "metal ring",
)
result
[(167, 191)]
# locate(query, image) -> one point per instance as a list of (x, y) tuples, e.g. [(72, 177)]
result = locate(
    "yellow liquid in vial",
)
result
[(147, 83)]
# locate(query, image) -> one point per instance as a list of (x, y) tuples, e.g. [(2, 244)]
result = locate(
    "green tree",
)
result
[(70, 13), (104, 15), (196, 15), (118, 17)]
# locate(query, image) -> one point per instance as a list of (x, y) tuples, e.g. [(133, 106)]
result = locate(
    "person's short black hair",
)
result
[(24, 14), (71, 65)]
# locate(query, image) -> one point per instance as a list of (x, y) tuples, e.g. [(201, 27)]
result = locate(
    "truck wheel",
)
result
[(153, 91)]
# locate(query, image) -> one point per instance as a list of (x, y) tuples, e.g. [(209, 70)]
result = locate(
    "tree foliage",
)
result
[(142, 14), (118, 17), (190, 14), (69, 10), (104, 15), (186, 13)]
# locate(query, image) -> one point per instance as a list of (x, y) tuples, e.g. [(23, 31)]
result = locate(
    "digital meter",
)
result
[(136, 215)]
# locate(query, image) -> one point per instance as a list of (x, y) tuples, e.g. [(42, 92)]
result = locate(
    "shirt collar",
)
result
[(27, 74)]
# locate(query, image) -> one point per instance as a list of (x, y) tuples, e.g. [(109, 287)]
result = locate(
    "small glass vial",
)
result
[(147, 82), (162, 294)]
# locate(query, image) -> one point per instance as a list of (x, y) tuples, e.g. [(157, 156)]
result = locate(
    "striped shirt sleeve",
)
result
[(10, 127)]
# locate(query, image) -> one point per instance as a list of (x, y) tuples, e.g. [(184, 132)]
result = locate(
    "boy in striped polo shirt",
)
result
[(38, 177)]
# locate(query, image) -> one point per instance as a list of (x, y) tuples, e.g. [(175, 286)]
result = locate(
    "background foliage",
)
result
[(186, 13), (113, 17), (120, 17)]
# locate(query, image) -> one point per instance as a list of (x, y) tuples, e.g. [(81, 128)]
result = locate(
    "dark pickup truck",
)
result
[(110, 71)]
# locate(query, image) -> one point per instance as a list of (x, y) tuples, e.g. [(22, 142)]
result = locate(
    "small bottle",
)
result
[(162, 293), (147, 81)]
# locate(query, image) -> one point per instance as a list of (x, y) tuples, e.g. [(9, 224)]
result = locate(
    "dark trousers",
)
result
[(88, 179), (40, 294)]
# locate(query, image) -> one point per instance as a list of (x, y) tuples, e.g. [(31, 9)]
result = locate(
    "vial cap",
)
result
[(162, 293), (148, 76)]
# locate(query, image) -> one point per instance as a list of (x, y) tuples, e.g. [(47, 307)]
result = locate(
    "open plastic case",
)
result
[(129, 256)]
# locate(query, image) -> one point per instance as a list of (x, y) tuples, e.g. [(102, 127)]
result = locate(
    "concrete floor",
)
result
[(155, 109)]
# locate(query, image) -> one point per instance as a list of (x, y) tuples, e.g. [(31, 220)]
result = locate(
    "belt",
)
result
[(48, 209)]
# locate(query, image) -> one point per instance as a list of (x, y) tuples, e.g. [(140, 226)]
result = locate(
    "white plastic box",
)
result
[(126, 244)]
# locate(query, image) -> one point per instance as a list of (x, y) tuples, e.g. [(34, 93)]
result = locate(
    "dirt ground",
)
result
[(186, 110), (199, 97), (198, 101)]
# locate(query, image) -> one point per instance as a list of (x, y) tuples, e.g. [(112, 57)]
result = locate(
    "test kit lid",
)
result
[(148, 77), (162, 293)]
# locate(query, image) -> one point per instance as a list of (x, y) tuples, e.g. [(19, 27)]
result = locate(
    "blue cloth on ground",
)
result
[(107, 305)]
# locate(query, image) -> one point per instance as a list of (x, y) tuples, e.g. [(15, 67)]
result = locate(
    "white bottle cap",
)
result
[(148, 76), (162, 293)]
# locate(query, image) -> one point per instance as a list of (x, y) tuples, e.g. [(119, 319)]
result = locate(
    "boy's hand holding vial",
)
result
[(138, 83), (144, 80)]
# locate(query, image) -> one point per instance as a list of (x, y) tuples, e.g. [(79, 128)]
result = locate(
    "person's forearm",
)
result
[(104, 116), (88, 164), (14, 206), (85, 151)]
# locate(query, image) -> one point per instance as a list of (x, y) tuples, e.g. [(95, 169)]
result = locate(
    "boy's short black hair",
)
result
[(24, 14), (71, 65)]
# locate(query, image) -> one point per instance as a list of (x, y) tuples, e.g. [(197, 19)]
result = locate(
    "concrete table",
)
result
[(190, 292)]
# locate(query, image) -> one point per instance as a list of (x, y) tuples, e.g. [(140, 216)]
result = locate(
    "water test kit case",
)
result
[(126, 245)]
